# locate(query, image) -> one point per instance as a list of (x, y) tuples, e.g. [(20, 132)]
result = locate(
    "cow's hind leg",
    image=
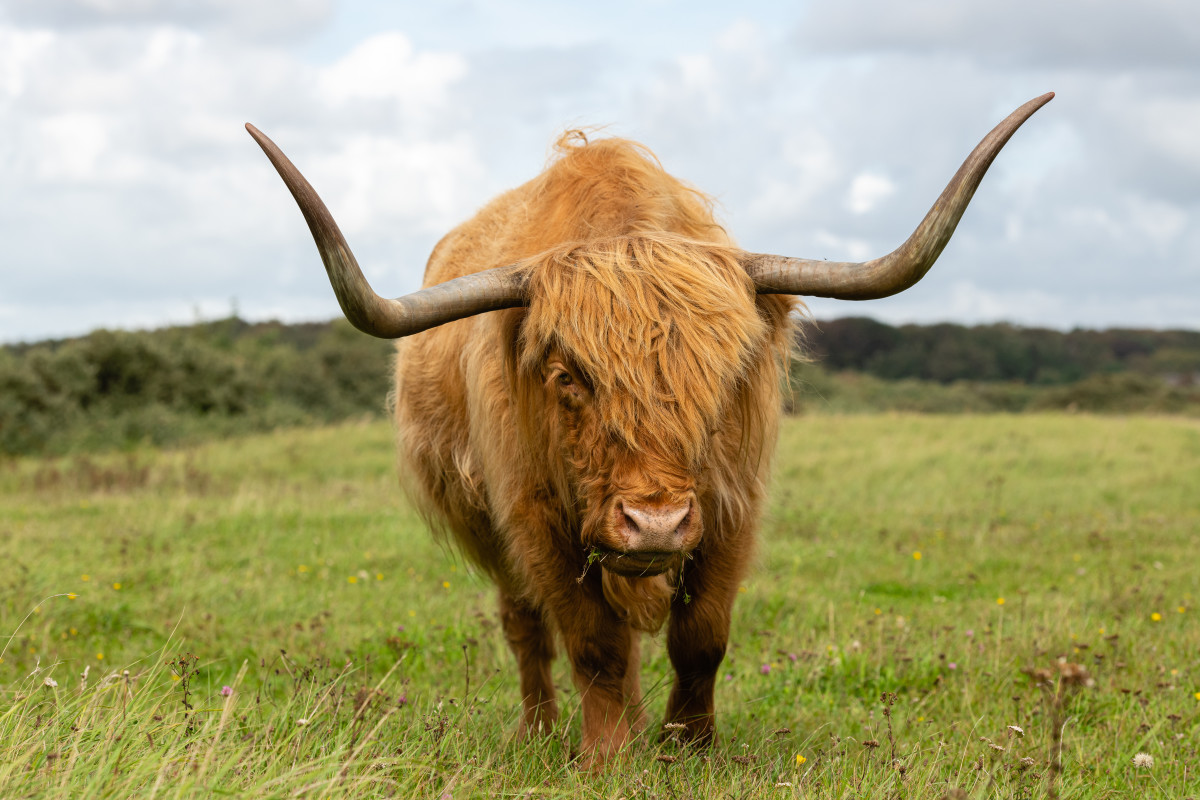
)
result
[(533, 644)]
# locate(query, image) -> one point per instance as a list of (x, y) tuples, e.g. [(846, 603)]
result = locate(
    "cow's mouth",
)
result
[(637, 563)]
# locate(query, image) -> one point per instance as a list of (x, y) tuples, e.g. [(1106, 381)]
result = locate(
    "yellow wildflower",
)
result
[(917, 555), (1156, 617), (800, 759), (999, 601)]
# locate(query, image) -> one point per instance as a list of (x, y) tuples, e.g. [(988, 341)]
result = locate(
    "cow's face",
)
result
[(636, 351), (636, 500)]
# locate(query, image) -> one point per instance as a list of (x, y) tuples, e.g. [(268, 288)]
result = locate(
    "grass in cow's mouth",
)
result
[(594, 555), (239, 658)]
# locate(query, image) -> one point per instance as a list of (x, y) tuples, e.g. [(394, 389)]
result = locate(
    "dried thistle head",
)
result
[(1074, 675), (991, 744), (1041, 676)]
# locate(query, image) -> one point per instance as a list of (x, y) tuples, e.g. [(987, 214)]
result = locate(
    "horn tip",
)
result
[(261, 138), (1043, 99)]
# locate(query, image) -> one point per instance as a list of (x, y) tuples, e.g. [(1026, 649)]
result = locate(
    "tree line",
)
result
[(125, 388), (946, 353)]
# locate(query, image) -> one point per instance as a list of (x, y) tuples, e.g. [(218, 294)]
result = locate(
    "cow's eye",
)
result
[(565, 379)]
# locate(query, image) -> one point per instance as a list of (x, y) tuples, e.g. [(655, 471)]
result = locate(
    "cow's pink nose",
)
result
[(658, 528)]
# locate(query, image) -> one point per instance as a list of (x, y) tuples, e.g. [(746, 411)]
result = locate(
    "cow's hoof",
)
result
[(697, 733)]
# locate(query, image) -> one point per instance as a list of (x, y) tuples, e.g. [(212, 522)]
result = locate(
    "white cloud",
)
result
[(18, 49), (823, 130), (1172, 124), (1103, 35), (1157, 223), (130, 182), (266, 19), (378, 180), (73, 145), (385, 67), (807, 170), (840, 248), (867, 190)]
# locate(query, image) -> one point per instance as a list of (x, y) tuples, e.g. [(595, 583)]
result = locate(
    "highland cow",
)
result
[(600, 442)]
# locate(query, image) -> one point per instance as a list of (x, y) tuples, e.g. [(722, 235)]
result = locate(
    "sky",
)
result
[(131, 195)]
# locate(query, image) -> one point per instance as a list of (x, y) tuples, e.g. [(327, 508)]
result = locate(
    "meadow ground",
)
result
[(999, 606)]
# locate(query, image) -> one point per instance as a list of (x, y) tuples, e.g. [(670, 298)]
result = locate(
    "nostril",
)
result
[(656, 527)]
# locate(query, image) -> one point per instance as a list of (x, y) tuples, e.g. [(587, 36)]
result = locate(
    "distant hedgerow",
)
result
[(113, 389)]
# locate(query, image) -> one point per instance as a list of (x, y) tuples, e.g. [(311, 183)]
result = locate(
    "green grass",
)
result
[(293, 570)]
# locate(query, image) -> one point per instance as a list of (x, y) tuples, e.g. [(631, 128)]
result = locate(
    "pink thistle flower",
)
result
[(226, 691), (765, 669)]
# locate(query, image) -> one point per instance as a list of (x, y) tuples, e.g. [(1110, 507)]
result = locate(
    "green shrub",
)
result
[(114, 389)]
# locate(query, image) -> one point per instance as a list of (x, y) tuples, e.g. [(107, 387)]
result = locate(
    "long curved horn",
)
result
[(909, 262), (499, 287)]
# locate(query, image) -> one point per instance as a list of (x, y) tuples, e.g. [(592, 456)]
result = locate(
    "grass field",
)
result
[(1002, 605)]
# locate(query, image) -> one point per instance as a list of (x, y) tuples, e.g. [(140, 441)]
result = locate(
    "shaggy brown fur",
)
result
[(645, 370)]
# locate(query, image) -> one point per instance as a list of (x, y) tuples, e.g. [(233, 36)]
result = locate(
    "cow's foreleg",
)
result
[(600, 646), (696, 639), (533, 645)]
